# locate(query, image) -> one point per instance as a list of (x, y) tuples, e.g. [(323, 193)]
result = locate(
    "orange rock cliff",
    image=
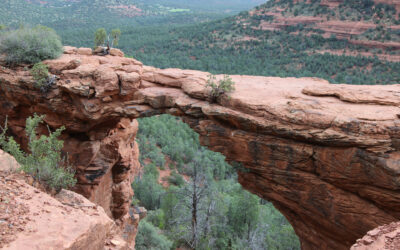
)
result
[(327, 156)]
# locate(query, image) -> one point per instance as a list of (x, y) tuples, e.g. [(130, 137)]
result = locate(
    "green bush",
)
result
[(148, 238), (40, 73), (176, 179), (156, 217), (30, 45), (147, 189), (221, 87), (101, 38), (44, 162)]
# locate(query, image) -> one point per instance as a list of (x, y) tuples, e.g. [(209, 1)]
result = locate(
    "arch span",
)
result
[(327, 156)]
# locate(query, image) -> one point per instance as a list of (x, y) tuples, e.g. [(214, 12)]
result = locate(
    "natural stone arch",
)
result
[(325, 155)]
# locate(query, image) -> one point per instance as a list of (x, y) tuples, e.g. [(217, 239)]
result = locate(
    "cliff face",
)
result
[(327, 156)]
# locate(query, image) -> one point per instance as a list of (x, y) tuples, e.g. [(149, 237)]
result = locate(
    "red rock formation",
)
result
[(331, 3), (31, 219), (335, 3), (385, 237), (341, 29), (103, 151), (327, 156)]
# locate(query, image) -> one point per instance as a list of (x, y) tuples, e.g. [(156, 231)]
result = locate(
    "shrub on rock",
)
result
[(221, 87), (44, 162), (30, 45), (43, 80)]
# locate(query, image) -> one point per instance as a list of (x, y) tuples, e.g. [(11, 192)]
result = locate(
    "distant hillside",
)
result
[(80, 13), (354, 41), (367, 23)]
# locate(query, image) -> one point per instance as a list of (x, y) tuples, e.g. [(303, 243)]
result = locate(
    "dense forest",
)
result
[(201, 205), (87, 14)]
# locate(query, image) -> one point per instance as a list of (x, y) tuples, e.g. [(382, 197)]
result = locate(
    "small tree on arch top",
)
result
[(107, 41)]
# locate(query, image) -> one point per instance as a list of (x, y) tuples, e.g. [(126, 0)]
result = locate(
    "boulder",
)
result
[(7, 162), (70, 50), (116, 52), (84, 51)]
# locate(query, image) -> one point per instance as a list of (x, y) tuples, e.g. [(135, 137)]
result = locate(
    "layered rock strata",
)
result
[(327, 156)]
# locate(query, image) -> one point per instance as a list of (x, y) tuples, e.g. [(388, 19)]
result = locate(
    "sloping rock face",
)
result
[(31, 219), (327, 156)]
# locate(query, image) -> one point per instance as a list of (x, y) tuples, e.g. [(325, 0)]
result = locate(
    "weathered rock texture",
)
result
[(32, 219), (385, 237), (327, 156)]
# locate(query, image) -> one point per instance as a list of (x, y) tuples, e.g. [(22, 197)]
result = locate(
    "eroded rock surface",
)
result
[(32, 219), (327, 156), (385, 237)]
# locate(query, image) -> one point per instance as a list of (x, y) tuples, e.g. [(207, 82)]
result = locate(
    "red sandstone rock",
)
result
[(116, 52), (84, 51), (70, 50), (385, 237), (39, 221), (7, 163), (327, 156), (331, 3)]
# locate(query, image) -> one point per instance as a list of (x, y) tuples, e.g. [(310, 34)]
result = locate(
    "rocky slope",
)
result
[(32, 219), (327, 156)]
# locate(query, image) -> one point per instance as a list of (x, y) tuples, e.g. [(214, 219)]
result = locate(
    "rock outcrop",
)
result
[(32, 219), (385, 237), (327, 156)]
